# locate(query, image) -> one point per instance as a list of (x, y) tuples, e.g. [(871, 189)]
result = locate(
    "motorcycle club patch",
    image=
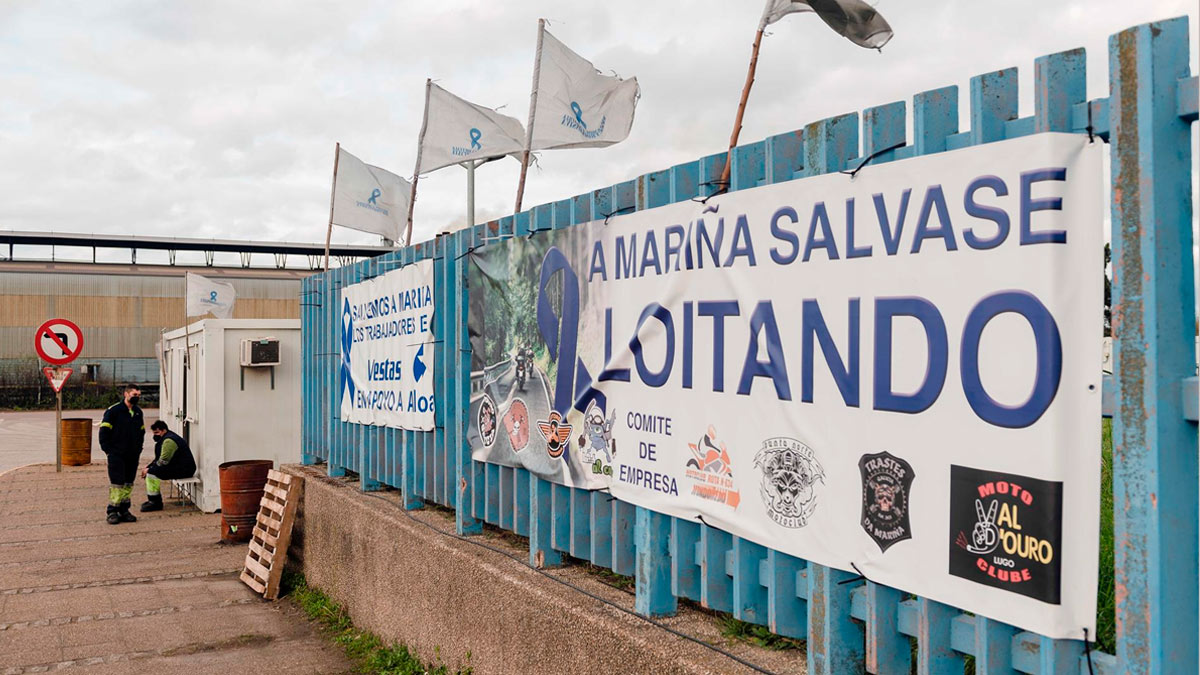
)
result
[(1006, 532), (516, 423), (486, 420), (886, 483), (790, 473), (556, 432)]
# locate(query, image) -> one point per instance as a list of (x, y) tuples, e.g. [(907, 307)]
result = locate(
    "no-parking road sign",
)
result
[(58, 341)]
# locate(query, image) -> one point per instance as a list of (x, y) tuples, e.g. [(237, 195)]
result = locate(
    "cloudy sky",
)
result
[(218, 119)]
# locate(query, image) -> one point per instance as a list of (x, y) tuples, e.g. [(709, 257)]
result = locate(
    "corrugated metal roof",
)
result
[(24, 283)]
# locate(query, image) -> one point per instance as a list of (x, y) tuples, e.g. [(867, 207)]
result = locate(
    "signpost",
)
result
[(58, 341)]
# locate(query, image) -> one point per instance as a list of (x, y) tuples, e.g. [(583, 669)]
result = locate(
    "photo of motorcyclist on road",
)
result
[(524, 359)]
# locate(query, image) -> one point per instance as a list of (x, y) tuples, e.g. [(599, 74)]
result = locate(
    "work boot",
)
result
[(114, 515), (152, 503), (127, 517)]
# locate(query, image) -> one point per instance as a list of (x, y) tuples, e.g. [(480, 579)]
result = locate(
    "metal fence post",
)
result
[(1154, 447), (458, 388), (653, 535)]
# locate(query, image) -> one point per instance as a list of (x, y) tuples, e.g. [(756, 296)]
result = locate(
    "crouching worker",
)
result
[(172, 459)]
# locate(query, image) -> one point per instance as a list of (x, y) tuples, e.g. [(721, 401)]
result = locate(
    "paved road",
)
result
[(156, 596), (28, 437)]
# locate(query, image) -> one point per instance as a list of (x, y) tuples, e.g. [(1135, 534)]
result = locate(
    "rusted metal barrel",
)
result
[(242, 484), (76, 441)]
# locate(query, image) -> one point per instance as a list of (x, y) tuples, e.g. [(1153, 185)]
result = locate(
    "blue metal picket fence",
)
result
[(851, 624)]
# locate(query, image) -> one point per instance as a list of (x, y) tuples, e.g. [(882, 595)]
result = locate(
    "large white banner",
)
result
[(386, 374), (896, 372)]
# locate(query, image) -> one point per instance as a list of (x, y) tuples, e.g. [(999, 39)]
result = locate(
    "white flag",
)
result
[(577, 107), (855, 20), (457, 131), (205, 295), (368, 198)]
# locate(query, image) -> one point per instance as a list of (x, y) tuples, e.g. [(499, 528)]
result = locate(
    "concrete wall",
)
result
[(446, 598)]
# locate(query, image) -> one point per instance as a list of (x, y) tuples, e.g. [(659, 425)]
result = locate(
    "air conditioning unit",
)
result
[(260, 352)]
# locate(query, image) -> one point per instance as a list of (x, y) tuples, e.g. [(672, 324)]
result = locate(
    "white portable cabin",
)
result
[(231, 387)]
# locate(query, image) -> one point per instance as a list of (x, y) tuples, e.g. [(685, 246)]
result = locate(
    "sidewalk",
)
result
[(158, 595)]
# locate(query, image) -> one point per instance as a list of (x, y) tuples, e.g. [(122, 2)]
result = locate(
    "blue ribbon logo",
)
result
[(418, 365), (212, 296), (347, 345), (578, 114), (374, 195), (475, 136), (572, 385)]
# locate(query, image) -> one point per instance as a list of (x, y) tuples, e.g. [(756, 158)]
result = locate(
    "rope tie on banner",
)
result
[(860, 577), (623, 209), (1087, 648), (1091, 126), (723, 187), (870, 157), (464, 254)]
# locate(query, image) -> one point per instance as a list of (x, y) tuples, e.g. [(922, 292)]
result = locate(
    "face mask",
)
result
[(133, 400)]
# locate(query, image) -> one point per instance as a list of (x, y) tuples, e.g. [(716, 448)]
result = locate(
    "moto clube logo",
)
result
[(1006, 532)]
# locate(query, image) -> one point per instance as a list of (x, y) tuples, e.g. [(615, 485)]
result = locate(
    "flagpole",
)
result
[(737, 121), (537, 67), (412, 197), (470, 165), (337, 153)]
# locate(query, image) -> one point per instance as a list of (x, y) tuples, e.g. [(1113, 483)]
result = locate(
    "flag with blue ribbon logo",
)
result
[(577, 107), (457, 131), (205, 295), (369, 199)]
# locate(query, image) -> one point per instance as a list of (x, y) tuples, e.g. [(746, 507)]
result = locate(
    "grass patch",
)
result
[(367, 650), (611, 578), (754, 634)]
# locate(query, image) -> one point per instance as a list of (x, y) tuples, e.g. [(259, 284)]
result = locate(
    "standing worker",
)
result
[(172, 459), (122, 434)]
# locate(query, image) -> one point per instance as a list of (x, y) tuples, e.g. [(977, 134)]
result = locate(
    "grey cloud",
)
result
[(219, 118)]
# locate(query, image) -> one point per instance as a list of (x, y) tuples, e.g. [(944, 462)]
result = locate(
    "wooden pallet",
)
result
[(272, 533)]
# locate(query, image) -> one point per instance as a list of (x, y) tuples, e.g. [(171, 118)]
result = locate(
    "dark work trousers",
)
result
[(122, 467)]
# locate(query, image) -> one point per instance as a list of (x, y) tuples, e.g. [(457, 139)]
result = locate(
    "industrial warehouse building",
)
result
[(122, 315), (123, 308)]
